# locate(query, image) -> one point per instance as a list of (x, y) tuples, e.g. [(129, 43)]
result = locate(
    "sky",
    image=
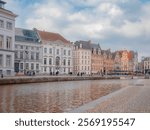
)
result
[(114, 24)]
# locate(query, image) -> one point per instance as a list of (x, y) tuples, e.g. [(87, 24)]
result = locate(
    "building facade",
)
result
[(7, 35), (117, 61), (57, 53), (82, 57), (146, 62), (108, 62), (97, 60), (28, 51)]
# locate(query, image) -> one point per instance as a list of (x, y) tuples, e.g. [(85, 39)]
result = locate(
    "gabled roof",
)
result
[(87, 45), (49, 36)]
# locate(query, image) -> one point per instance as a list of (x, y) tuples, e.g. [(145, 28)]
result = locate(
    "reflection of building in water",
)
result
[(52, 97), (7, 99)]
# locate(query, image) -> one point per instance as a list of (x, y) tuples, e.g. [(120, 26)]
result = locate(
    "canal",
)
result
[(55, 96)]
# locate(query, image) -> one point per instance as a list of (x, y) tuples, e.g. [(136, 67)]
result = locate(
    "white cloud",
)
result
[(110, 9), (108, 21)]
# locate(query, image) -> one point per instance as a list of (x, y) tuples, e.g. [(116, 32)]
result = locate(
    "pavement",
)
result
[(131, 99)]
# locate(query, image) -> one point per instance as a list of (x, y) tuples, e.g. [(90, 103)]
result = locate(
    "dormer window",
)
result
[(2, 3)]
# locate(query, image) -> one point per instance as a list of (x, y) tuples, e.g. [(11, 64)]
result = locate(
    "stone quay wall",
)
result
[(25, 80)]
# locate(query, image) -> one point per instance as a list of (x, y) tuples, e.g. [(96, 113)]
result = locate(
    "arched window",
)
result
[(57, 61), (50, 61)]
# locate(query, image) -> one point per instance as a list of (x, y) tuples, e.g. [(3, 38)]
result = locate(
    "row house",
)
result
[(82, 57), (90, 59), (107, 61), (7, 34), (146, 65), (28, 51), (125, 61), (117, 61), (97, 59), (56, 52)]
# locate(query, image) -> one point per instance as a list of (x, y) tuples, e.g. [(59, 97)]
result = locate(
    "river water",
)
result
[(55, 96)]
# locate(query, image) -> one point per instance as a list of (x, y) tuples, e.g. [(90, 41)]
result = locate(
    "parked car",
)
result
[(30, 73)]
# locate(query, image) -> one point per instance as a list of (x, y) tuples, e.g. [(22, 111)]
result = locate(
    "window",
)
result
[(37, 56), (1, 72), (8, 72), (57, 61), (45, 50), (21, 47), (21, 55), (21, 66), (1, 24), (9, 26), (16, 55), (50, 61), (16, 46), (32, 48), (32, 55), (32, 66), (8, 42), (45, 69), (64, 52), (69, 53), (69, 62), (45, 61), (26, 55), (27, 66), (50, 51), (1, 60), (37, 66), (64, 61), (37, 48), (8, 61), (1, 41), (57, 51)]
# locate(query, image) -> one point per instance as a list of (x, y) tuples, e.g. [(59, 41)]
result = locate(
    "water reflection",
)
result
[(54, 97)]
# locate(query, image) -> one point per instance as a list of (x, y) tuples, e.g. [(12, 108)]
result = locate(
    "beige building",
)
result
[(108, 61), (117, 61), (97, 59), (82, 57)]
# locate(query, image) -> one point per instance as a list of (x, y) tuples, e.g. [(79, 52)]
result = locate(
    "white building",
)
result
[(82, 57), (7, 32), (57, 53), (28, 51)]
